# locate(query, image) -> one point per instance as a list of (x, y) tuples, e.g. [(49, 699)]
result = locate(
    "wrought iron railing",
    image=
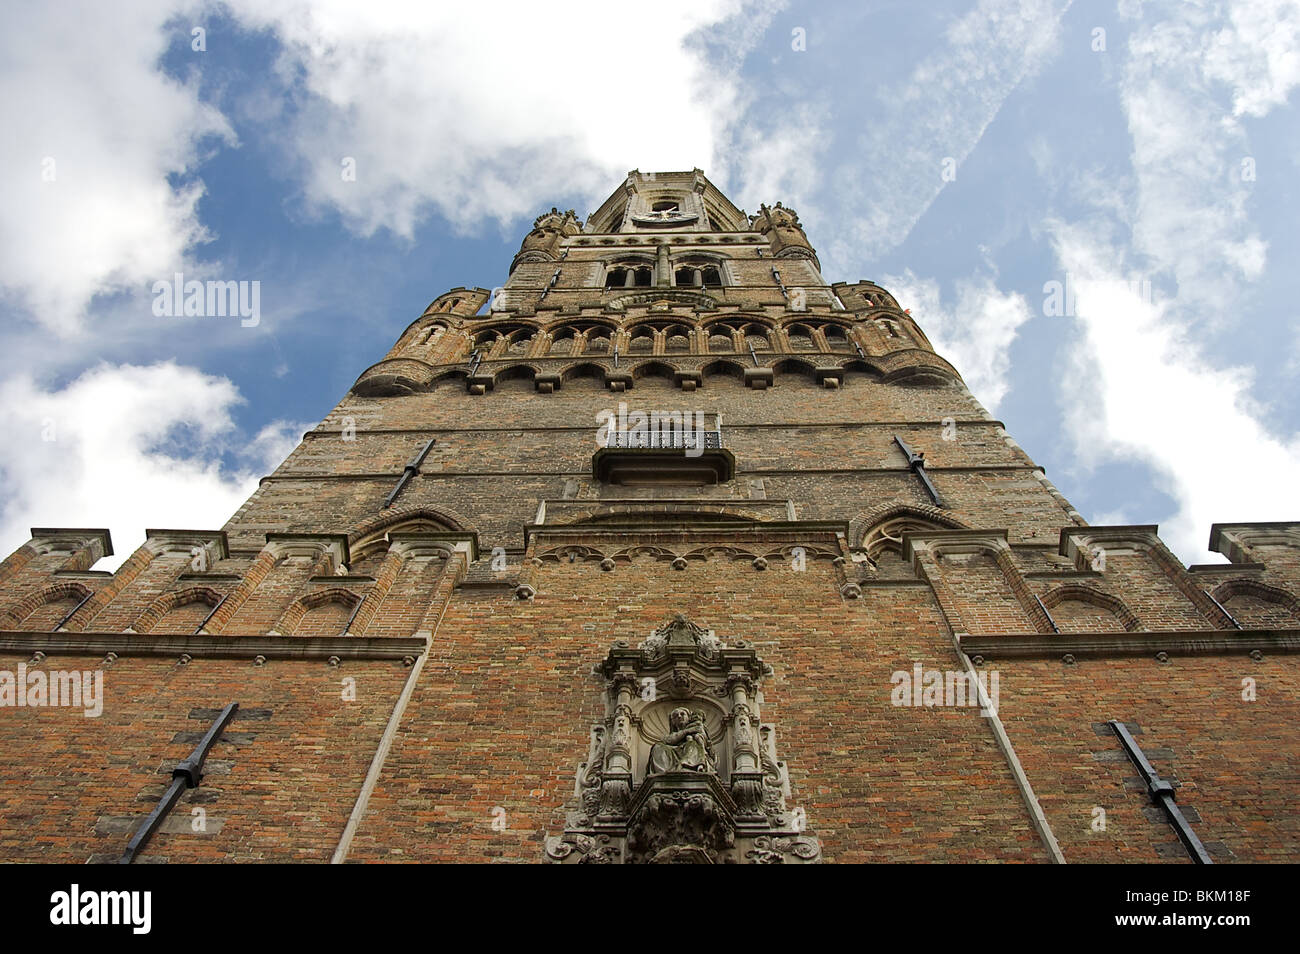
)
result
[(666, 439)]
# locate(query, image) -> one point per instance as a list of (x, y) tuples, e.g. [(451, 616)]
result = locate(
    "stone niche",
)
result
[(683, 770)]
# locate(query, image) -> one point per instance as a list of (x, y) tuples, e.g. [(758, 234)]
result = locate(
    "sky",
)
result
[(1089, 207)]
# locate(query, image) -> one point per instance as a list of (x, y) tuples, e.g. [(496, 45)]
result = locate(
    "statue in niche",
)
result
[(684, 749)]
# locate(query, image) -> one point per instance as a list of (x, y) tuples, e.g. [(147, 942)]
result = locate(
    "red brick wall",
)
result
[(501, 715), (1236, 761), (72, 787)]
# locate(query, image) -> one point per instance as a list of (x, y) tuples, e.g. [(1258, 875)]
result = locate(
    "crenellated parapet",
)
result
[(188, 582)]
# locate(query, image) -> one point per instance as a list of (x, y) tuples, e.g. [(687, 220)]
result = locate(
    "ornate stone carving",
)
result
[(685, 748), (683, 770)]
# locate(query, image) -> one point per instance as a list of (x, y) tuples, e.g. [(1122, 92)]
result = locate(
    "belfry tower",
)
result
[(665, 550)]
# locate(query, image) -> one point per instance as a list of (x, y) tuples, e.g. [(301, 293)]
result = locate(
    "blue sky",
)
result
[(964, 154)]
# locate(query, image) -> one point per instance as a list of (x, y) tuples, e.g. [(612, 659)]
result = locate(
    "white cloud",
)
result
[(975, 334), (127, 447), (1142, 389), (940, 114), (1258, 54), (1192, 204), (471, 111), (81, 97), (482, 111), (1139, 390)]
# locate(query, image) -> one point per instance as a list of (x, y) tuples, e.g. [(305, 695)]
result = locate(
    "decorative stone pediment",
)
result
[(682, 769)]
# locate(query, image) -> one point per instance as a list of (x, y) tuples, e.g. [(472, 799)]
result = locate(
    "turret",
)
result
[(542, 244), (780, 226)]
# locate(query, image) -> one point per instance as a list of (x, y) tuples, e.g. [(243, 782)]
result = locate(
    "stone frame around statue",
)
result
[(701, 787)]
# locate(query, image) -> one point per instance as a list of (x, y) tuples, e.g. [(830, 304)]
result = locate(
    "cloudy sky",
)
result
[(1090, 207)]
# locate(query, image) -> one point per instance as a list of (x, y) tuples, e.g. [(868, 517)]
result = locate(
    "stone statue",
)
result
[(684, 749)]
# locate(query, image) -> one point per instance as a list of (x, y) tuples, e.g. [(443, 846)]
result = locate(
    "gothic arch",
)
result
[(560, 335), (515, 371), (715, 551), (1263, 592), (419, 331), (652, 369), (571, 553), (583, 369), (741, 318), (598, 340), (728, 368), (1086, 594), (870, 521), (758, 333), (641, 339), (865, 367), (293, 616), (413, 518), (372, 550), (799, 337), (796, 366), (164, 604), (20, 611)]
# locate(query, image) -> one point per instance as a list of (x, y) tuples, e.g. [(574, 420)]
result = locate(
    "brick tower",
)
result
[(667, 549)]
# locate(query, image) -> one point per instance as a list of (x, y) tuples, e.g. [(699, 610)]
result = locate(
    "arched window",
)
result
[(836, 339), (800, 338), (677, 340), (756, 335), (697, 274), (519, 342), (629, 275), (642, 340)]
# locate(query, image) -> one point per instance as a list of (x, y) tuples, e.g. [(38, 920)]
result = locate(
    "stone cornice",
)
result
[(73, 537), (211, 647), (663, 523), (184, 541), (1234, 540), (1111, 645)]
